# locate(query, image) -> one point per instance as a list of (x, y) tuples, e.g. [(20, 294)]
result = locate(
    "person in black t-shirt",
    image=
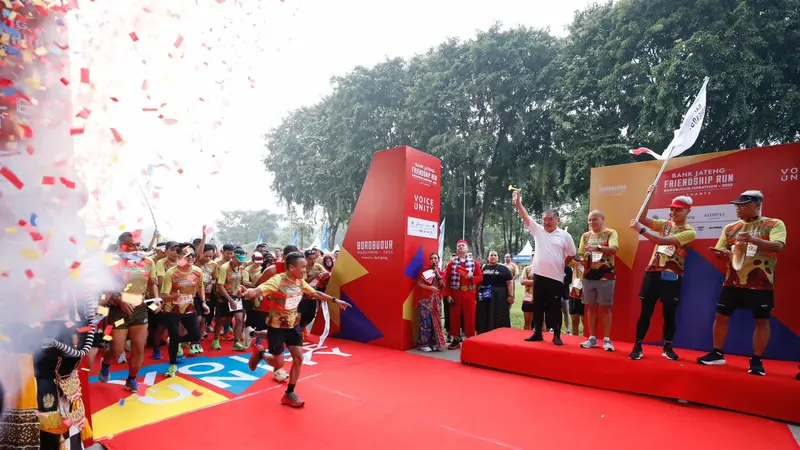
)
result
[(495, 296)]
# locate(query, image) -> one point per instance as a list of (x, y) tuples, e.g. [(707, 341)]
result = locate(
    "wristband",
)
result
[(643, 230)]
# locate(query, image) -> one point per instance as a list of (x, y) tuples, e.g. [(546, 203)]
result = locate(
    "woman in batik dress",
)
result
[(429, 302)]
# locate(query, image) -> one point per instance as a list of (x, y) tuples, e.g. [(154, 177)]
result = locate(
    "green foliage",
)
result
[(523, 107), (243, 227)]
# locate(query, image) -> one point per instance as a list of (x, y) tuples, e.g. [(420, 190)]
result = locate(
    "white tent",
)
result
[(525, 254), (336, 249)]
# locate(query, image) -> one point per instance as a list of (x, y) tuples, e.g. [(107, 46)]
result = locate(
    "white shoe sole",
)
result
[(665, 356), (753, 372), (717, 362)]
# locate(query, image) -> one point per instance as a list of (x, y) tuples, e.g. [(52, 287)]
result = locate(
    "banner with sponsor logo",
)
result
[(712, 180), (394, 228)]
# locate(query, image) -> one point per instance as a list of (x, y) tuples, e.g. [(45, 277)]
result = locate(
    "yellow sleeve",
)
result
[(722, 243), (686, 236), (271, 286), (152, 270), (582, 245), (246, 276), (307, 289), (222, 274), (613, 239), (658, 225), (160, 270), (778, 232), (166, 285), (198, 273)]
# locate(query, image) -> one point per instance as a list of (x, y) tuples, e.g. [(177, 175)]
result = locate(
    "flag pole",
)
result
[(654, 185)]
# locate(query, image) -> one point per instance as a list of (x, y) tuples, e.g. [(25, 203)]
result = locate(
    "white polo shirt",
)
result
[(551, 250)]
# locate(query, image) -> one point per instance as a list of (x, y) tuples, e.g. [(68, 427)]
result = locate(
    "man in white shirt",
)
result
[(554, 250)]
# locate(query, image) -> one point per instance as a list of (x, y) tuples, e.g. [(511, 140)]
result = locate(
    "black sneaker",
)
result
[(636, 353), (669, 353), (713, 358), (756, 367), (535, 337), (557, 339)]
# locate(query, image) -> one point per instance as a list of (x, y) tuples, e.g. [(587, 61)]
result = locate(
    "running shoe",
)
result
[(607, 345), (636, 354), (193, 349), (131, 385), (255, 358), (239, 347), (215, 345), (247, 336), (156, 352), (589, 343), (121, 359), (280, 375), (180, 351), (455, 345), (291, 399), (171, 371), (200, 348), (713, 358), (426, 349), (310, 338), (557, 339), (228, 336), (105, 373), (669, 352), (756, 367)]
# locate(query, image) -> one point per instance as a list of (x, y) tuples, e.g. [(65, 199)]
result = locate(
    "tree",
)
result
[(243, 227)]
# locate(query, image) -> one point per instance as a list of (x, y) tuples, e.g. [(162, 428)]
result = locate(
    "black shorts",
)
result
[(654, 288), (224, 309), (760, 302), (277, 338), (198, 306), (527, 307), (254, 318), (139, 317), (576, 307)]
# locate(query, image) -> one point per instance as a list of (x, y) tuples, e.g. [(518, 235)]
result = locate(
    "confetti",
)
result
[(33, 219), (11, 177), (119, 323), (84, 74), (4, 338), (116, 134), (122, 402), (153, 307), (196, 393), (29, 273), (114, 99), (84, 329), (67, 183), (48, 181), (108, 338), (33, 255), (133, 36), (179, 41), (84, 114), (102, 311), (69, 324), (75, 131)]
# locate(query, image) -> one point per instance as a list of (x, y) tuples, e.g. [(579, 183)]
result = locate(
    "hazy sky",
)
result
[(291, 49)]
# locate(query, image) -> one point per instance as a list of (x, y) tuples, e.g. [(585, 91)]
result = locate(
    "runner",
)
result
[(206, 264), (127, 311), (316, 275), (229, 279), (156, 328), (249, 277), (283, 293), (181, 283)]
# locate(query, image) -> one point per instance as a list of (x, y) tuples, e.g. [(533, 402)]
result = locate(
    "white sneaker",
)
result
[(426, 349), (280, 375), (122, 359), (247, 336), (607, 345), (589, 343)]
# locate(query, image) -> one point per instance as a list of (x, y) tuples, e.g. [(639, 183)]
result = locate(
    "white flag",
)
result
[(687, 135), (441, 243)]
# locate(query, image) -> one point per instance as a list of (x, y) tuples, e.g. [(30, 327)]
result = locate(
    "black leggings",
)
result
[(171, 322), (654, 289)]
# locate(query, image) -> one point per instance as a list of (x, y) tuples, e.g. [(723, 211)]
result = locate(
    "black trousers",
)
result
[(655, 289), (547, 303), (308, 310), (171, 322)]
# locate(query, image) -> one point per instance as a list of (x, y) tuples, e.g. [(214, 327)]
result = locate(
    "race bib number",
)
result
[(668, 250), (527, 298), (597, 256), (237, 304), (184, 300), (751, 250), (207, 279), (292, 302), (577, 284)]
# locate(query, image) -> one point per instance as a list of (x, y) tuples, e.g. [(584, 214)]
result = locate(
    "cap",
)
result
[(748, 198), (462, 241), (258, 257), (241, 258), (680, 204), (162, 247), (309, 253), (171, 244)]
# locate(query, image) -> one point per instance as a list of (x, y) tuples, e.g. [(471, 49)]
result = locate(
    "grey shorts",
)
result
[(598, 291)]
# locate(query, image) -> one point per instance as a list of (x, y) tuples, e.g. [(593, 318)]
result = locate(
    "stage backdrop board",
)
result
[(712, 181), (394, 228)]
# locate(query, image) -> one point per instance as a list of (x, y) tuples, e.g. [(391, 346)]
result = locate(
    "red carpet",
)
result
[(776, 395), (381, 398)]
